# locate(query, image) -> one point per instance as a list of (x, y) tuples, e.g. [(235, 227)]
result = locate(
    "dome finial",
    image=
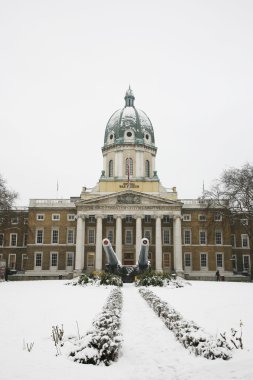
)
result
[(129, 98)]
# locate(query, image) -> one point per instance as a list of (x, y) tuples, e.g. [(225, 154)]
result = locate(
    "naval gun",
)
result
[(127, 272)]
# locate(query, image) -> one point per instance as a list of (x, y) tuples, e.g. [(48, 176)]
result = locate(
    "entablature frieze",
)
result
[(145, 209)]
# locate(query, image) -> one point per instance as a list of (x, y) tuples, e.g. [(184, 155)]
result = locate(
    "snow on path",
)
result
[(150, 349)]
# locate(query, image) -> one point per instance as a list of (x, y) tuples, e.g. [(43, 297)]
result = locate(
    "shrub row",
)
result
[(102, 344), (99, 278), (152, 278), (195, 339)]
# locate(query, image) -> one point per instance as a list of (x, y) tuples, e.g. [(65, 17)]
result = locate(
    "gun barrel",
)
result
[(143, 256), (110, 254)]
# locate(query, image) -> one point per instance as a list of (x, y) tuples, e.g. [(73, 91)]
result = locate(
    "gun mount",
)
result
[(127, 272)]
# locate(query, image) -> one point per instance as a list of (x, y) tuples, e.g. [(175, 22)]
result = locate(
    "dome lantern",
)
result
[(129, 98)]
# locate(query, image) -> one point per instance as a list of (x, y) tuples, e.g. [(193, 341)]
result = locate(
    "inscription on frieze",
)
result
[(130, 185), (129, 199)]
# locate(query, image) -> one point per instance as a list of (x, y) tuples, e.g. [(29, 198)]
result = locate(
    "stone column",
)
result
[(99, 237), (80, 236), (138, 237), (158, 244), (119, 237), (177, 241)]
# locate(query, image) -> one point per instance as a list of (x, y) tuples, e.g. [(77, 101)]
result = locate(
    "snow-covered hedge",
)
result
[(99, 278), (194, 338), (101, 344), (151, 278)]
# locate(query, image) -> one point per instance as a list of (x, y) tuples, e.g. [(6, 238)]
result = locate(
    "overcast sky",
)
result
[(65, 67)]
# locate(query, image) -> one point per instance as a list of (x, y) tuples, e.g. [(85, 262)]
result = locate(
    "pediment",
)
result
[(129, 198)]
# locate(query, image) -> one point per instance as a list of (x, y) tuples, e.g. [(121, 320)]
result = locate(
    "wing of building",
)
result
[(62, 237)]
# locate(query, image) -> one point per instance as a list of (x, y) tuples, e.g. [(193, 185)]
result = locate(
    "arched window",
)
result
[(111, 168), (129, 166), (147, 168)]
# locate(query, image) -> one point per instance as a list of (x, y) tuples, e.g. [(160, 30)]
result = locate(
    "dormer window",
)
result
[(129, 135)]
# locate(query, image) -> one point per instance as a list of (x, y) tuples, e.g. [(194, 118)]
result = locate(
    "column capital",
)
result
[(116, 216), (175, 217), (81, 216), (138, 216), (99, 216), (158, 216)]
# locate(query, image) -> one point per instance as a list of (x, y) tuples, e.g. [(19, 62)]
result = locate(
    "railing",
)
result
[(50, 202)]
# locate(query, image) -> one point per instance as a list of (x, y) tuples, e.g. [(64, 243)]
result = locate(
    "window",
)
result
[(55, 236), (25, 220), (90, 260), (54, 260), (13, 240), (202, 237), (147, 218), (187, 217), (166, 236), (245, 241), (70, 236), (147, 168), (166, 260), (246, 262), (219, 260), (1, 220), (92, 219), (25, 237), (244, 222), (39, 236), (55, 217), (1, 240), (70, 260), (129, 219), (148, 234), (203, 261), (110, 235), (111, 168), (187, 236), (12, 261), (110, 219), (187, 260), (217, 217), (40, 216), (233, 240), (38, 260), (71, 217), (91, 236), (202, 218), (14, 220), (166, 219), (129, 166), (129, 237), (218, 237)]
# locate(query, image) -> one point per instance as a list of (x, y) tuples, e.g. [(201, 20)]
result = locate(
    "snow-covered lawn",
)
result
[(28, 310)]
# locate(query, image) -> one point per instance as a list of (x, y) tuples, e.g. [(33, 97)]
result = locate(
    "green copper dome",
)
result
[(129, 125)]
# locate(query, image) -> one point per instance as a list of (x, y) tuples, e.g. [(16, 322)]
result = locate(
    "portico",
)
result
[(137, 207)]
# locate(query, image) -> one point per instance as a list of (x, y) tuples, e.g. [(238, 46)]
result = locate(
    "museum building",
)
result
[(63, 237)]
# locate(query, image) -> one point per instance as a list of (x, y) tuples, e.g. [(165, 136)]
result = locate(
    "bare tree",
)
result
[(7, 197), (233, 195)]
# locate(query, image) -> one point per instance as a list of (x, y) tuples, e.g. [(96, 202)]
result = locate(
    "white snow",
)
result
[(28, 310)]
